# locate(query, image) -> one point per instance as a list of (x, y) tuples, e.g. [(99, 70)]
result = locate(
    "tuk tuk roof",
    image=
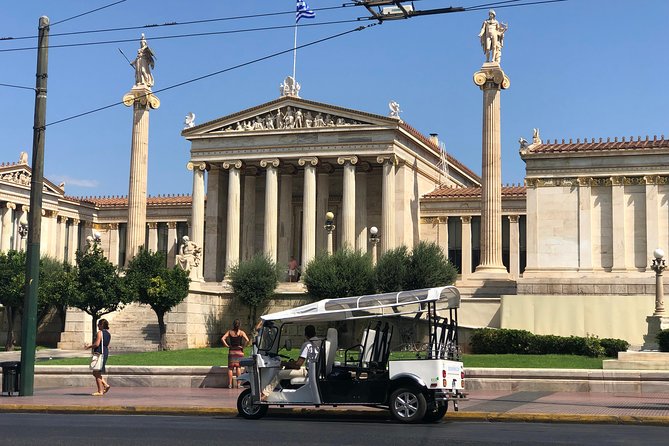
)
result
[(373, 305)]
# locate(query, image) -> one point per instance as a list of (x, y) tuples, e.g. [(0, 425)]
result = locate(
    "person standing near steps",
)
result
[(235, 339), (101, 345)]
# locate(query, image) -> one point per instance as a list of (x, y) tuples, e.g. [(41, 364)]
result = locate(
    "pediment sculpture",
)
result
[(290, 117)]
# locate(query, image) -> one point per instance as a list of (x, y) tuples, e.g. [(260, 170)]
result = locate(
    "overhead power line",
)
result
[(17, 86), (89, 12), (199, 78)]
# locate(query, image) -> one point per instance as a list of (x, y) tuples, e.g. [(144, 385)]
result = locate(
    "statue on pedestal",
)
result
[(189, 255), (492, 38), (143, 64)]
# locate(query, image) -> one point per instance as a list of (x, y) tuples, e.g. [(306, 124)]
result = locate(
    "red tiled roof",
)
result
[(601, 145), (512, 191), (119, 201)]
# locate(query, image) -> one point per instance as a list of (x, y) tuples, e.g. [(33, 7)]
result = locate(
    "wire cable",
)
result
[(199, 78), (180, 36), (17, 86), (541, 2), (86, 13)]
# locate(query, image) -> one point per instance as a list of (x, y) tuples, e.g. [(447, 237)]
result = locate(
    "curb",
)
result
[(492, 417)]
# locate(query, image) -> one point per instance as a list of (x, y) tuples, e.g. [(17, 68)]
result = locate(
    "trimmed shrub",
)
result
[(500, 341), (663, 340), (613, 346), (254, 282), (345, 273), (392, 270), (429, 267)]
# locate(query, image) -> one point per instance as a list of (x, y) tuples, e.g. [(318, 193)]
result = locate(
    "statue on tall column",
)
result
[(492, 38), (143, 64)]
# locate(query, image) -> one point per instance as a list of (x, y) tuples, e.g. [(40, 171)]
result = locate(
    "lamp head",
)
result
[(658, 253), (24, 220), (374, 230), (329, 218)]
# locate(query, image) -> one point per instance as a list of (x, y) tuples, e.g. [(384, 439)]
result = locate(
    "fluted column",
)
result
[(7, 227), (348, 201), (514, 247), (113, 243), (584, 225), (285, 243), (387, 202), (61, 224), (491, 79), (652, 216), (153, 236), (361, 224), (466, 269), (309, 210), (322, 204), (618, 224), (142, 100), (171, 243), (249, 217), (73, 242), (271, 207), (233, 223), (197, 209)]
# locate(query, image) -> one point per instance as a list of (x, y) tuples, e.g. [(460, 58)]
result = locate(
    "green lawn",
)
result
[(219, 356)]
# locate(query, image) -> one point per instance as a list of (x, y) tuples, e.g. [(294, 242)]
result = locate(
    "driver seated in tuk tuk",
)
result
[(294, 368)]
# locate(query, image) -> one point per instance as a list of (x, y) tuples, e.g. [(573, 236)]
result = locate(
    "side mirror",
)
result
[(288, 345)]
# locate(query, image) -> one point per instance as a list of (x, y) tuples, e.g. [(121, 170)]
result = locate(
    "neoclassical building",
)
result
[(577, 237)]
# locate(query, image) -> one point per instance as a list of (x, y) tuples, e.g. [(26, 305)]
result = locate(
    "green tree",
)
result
[(392, 270), (57, 288), (149, 282), (345, 273), (12, 286), (100, 290), (254, 282), (429, 267)]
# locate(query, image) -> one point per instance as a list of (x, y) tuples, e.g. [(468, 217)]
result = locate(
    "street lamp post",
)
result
[(374, 240), (659, 265), (329, 226)]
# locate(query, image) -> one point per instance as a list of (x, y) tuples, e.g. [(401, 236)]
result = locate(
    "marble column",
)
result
[(514, 247), (249, 217), (142, 100), (322, 204), (7, 226), (153, 236), (215, 224), (233, 223), (387, 202), (73, 243), (348, 201), (271, 207), (172, 243), (491, 79), (361, 223), (652, 216), (442, 234), (532, 226), (113, 243), (309, 210), (466, 269), (285, 243), (584, 224), (61, 238), (46, 236), (197, 209), (618, 224)]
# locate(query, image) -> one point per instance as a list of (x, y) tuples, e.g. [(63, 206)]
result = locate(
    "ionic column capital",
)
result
[(466, 219), (584, 181), (270, 162), (352, 159), (113, 226), (61, 219), (142, 96), (308, 160), (387, 159), (492, 77), (25, 208), (651, 179), (171, 224), (152, 225), (196, 165), (75, 221), (513, 218), (232, 164), (617, 181), (10, 205)]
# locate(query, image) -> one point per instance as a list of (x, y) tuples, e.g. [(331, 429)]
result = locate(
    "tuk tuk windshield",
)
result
[(267, 338)]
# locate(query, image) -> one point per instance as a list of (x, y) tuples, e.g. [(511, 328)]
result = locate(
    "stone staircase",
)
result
[(134, 329), (644, 360)]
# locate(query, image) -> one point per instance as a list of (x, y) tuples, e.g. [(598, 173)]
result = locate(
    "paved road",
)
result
[(73, 430)]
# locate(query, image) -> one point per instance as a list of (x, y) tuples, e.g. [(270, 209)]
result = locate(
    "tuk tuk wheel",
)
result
[(408, 405), (247, 409), (435, 413)]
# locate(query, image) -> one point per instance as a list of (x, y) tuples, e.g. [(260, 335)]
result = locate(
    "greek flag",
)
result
[(303, 11)]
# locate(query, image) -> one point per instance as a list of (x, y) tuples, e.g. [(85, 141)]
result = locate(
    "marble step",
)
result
[(615, 364)]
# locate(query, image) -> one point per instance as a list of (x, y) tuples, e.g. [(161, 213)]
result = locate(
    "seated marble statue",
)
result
[(189, 254)]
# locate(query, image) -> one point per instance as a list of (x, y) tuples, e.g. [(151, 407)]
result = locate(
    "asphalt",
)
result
[(492, 406)]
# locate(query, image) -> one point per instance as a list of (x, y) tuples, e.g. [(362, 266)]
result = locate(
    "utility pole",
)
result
[(29, 322)]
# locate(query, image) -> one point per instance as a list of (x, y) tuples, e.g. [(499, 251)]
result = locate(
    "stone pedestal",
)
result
[(142, 100), (656, 324), (491, 79)]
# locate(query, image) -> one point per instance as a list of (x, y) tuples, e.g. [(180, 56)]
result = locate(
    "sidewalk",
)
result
[(570, 407)]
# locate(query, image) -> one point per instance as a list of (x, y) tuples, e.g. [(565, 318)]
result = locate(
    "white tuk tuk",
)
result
[(413, 390)]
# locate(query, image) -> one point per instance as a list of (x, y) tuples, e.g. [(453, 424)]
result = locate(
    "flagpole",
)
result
[(295, 50)]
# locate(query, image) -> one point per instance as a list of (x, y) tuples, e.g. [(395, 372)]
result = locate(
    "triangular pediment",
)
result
[(289, 114), (21, 175)]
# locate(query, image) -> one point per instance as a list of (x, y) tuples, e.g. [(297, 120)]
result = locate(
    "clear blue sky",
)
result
[(582, 68)]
